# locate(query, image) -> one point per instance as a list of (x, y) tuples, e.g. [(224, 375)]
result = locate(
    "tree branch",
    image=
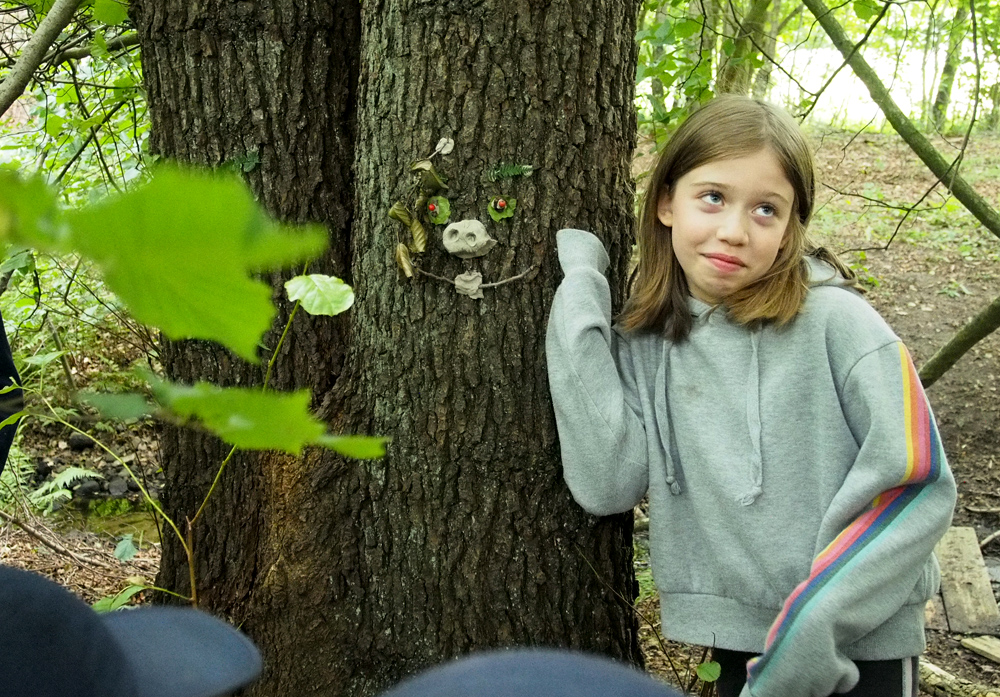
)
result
[(847, 59), (126, 40), (53, 544), (960, 189), (34, 51), (981, 326)]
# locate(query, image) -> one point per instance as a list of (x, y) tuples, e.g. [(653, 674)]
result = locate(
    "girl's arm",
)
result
[(892, 508), (592, 381)]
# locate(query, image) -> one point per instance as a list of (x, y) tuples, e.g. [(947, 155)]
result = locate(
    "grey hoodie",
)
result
[(796, 480)]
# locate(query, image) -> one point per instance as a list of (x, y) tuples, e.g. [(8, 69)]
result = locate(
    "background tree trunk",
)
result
[(699, 50), (953, 59), (352, 574), (747, 34)]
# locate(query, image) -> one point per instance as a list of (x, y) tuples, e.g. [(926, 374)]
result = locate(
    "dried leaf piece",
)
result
[(430, 181), (419, 237), (470, 283), (402, 214), (403, 259), (444, 146), (419, 243)]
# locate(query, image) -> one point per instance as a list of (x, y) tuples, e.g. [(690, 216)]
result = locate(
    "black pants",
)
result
[(897, 678)]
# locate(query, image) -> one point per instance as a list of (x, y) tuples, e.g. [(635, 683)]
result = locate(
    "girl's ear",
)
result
[(665, 211)]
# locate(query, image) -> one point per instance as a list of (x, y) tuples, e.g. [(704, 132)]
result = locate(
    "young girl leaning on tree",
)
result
[(795, 475)]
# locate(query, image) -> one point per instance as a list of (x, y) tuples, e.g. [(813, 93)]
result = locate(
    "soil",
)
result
[(938, 272)]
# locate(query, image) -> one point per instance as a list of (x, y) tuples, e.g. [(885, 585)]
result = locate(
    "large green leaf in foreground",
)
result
[(178, 251), (254, 420)]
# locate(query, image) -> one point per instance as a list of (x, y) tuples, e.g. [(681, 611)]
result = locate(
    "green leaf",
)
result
[(360, 447), (113, 602), (43, 359), (319, 294), (110, 12), (54, 125), (118, 406), (99, 46), (179, 252), (13, 418), (441, 212), (496, 213), (863, 10), (28, 212), (686, 28), (709, 671), (125, 549), (41, 7), (244, 417), (18, 259)]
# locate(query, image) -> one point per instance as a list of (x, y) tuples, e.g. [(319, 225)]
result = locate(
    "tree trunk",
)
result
[(748, 34), (699, 50), (956, 35), (658, 96), (762, 78), (351, 575)]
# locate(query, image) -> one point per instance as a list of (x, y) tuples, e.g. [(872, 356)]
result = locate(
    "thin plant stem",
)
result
[(635, 609), (267, 379), (191, 574), (164, 590), (274, 355)]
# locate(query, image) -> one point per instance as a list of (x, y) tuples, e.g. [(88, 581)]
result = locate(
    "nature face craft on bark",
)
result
[(465, 239)]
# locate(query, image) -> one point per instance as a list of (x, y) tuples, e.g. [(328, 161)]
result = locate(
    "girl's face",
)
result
[(728, 220)]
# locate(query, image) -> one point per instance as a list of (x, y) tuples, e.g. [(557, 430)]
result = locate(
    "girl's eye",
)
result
[(712, 197), (766, 210)]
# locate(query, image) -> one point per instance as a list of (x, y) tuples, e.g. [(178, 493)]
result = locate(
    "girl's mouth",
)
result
[(724, 262)]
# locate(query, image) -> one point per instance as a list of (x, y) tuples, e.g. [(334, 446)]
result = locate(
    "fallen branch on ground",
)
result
[(989, 538), (940, 683), (52, 544)]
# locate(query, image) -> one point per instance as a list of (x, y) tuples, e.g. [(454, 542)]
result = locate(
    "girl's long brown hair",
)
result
[(727, 127)]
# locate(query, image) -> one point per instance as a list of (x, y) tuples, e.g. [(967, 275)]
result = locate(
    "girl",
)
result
[(796, 480)]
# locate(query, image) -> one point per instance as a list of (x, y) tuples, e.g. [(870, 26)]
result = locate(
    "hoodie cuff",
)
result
[(581, 249)]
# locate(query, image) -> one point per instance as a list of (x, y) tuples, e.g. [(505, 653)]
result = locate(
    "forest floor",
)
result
[(939, 271)]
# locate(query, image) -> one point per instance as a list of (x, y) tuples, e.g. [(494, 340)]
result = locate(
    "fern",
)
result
[(16, 475), (506, 171), (58, 488)]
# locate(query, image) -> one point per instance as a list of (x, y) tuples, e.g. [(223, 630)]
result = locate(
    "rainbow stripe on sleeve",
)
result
[(923, 465)]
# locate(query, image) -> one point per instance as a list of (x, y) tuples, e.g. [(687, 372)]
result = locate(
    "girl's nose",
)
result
[(733, 230)]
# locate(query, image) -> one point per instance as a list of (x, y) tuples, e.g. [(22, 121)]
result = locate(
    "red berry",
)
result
[(501, 204), (432, 208)]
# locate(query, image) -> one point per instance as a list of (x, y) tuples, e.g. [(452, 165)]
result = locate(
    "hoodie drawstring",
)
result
[(663, 421), (753, 423)]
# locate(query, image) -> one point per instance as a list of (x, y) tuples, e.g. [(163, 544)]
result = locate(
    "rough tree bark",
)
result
[(352, 574)]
